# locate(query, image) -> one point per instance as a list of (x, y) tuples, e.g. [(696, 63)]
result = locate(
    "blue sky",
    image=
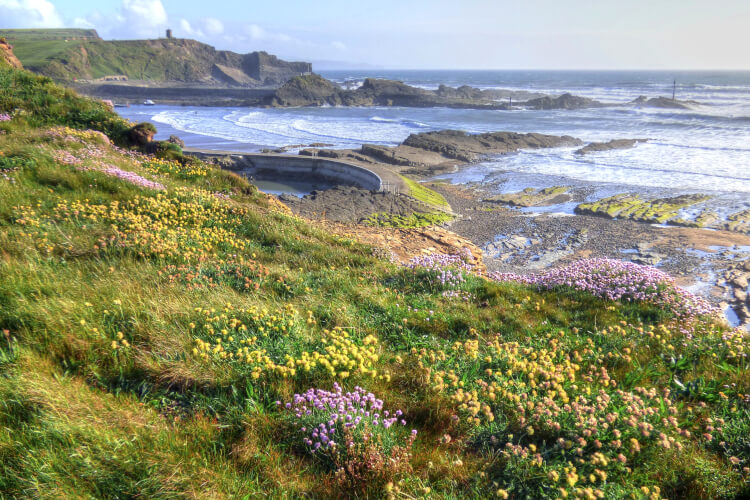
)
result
[(455, 34)]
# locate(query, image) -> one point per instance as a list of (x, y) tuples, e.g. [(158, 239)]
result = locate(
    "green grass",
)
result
[(424, 194), (124, 311)]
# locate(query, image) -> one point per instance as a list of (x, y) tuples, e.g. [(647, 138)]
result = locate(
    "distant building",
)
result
[(169, 33)]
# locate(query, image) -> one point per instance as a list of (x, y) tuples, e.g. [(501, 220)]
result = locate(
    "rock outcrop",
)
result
[(142, 134), (598, 147), (465, 147), (350, 204), (565, 101), (433, 152), (7, 56), (633, 207), (662, 102), (306, 90), (314, 90), (531, 197)]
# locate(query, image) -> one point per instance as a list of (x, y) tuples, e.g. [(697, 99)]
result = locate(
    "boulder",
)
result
[(142, 134), (176, 140)]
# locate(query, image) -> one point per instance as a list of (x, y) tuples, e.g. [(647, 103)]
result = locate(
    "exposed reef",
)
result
[(428, 152), (598, 147), (633, 207), (531, 197), (314, 90), (662, 102), (565, 101)]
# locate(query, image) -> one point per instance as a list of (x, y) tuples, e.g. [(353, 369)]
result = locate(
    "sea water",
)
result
[(706, 148)]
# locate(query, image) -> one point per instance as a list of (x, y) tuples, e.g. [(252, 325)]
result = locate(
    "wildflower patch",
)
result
[(353, 434)]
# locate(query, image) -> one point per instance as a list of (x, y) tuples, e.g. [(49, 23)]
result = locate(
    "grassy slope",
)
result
[(424, 194), (180, 60), (32, 33), (105, 390), (37, 47), (37, 53)]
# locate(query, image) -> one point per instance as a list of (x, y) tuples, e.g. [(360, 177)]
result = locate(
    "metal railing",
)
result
[(390, 187)]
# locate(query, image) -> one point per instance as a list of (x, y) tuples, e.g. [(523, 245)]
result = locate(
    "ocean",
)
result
[(704, 149)]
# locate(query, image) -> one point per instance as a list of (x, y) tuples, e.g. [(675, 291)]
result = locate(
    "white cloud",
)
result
[(82, 22), (339, 45), (255, 32), (134, 19), (187, 29), (213, 26), (209, 27), (144, 13), (29, 14), (258, 33)]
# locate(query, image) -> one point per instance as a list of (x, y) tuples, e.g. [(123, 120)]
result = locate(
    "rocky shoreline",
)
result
[(312, 90), (516, 235)]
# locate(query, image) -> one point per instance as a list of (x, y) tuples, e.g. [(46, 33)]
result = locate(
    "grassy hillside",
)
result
[(73, 55), (38, 46), (49, 34), (168, 331), (179, 60)]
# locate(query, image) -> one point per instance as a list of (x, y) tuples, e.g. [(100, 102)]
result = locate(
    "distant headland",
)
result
[(81, 56)]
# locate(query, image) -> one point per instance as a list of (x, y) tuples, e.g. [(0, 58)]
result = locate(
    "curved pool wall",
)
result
[(281, 167)]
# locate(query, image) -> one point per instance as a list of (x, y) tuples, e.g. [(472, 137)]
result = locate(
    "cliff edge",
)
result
[(7, 56)]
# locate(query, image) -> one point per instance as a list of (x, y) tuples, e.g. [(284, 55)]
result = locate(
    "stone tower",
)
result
[(169, 33)]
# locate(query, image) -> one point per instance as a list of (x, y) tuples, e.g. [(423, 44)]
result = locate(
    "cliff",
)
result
[(7, 57), (180, 61)]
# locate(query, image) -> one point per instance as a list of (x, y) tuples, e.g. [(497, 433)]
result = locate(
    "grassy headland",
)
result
[(169, 331)]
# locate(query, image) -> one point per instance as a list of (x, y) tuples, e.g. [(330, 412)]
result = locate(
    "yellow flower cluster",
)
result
[(184, 225), (249, 336), (342, 357), (120, 342), (558, 391), (231, 320), (81, 135), (175, 168), (518, 370)]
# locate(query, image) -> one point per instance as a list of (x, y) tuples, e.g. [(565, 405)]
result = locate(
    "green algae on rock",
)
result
[(739, 222), (633, 207), (531, 197)]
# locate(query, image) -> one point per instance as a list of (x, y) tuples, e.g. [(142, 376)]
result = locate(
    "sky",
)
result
[(429, 34)]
